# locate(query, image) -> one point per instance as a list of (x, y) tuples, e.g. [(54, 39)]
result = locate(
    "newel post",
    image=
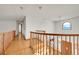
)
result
[(30, 39)]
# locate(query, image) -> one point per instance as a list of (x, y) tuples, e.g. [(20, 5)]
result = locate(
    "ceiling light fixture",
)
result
[(40, 7), (21, 7)]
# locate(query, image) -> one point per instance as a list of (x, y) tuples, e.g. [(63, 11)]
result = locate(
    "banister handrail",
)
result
[(62, 44), (55, 34)]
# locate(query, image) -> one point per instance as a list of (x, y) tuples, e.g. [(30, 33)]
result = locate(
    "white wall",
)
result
[(33, 24), (47, 25), (75, 26), (7, 25)]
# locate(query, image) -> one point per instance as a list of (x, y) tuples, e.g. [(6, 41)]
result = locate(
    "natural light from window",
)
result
[(67, 26)]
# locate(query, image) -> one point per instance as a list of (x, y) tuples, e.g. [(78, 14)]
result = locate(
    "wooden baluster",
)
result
[(65, 47), (36, 43), (53, 45), (65, 38), (46, 44), (70, 41), (30, 40), (57, 45), (74, 45), (3, 44), (33, 40), (69, 38), (61, 45), (77, 46), (39, 44), (49, 44), (43, 44)]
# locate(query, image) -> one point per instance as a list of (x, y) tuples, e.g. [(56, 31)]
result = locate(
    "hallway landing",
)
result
[(19, 47)]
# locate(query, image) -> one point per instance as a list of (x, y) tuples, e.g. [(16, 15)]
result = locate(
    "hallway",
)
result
[(19, 47)]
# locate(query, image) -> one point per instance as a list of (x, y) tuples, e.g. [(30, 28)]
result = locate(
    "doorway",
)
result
[(20, 31), (20, 28)]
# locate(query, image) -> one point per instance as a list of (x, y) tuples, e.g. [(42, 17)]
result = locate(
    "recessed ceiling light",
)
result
[(21, 7), (40, 7)]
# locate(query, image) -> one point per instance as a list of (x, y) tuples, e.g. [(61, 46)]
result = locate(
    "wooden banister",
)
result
[(53, 42), (56, 34)]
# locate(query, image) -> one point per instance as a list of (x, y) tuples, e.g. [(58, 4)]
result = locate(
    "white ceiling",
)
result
[(49, 11)]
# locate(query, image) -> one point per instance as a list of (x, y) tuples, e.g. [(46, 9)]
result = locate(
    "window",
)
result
[(67, 26)]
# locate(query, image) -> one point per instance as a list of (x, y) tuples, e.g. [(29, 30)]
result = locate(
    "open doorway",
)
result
[(20, 31), (20, 28)]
